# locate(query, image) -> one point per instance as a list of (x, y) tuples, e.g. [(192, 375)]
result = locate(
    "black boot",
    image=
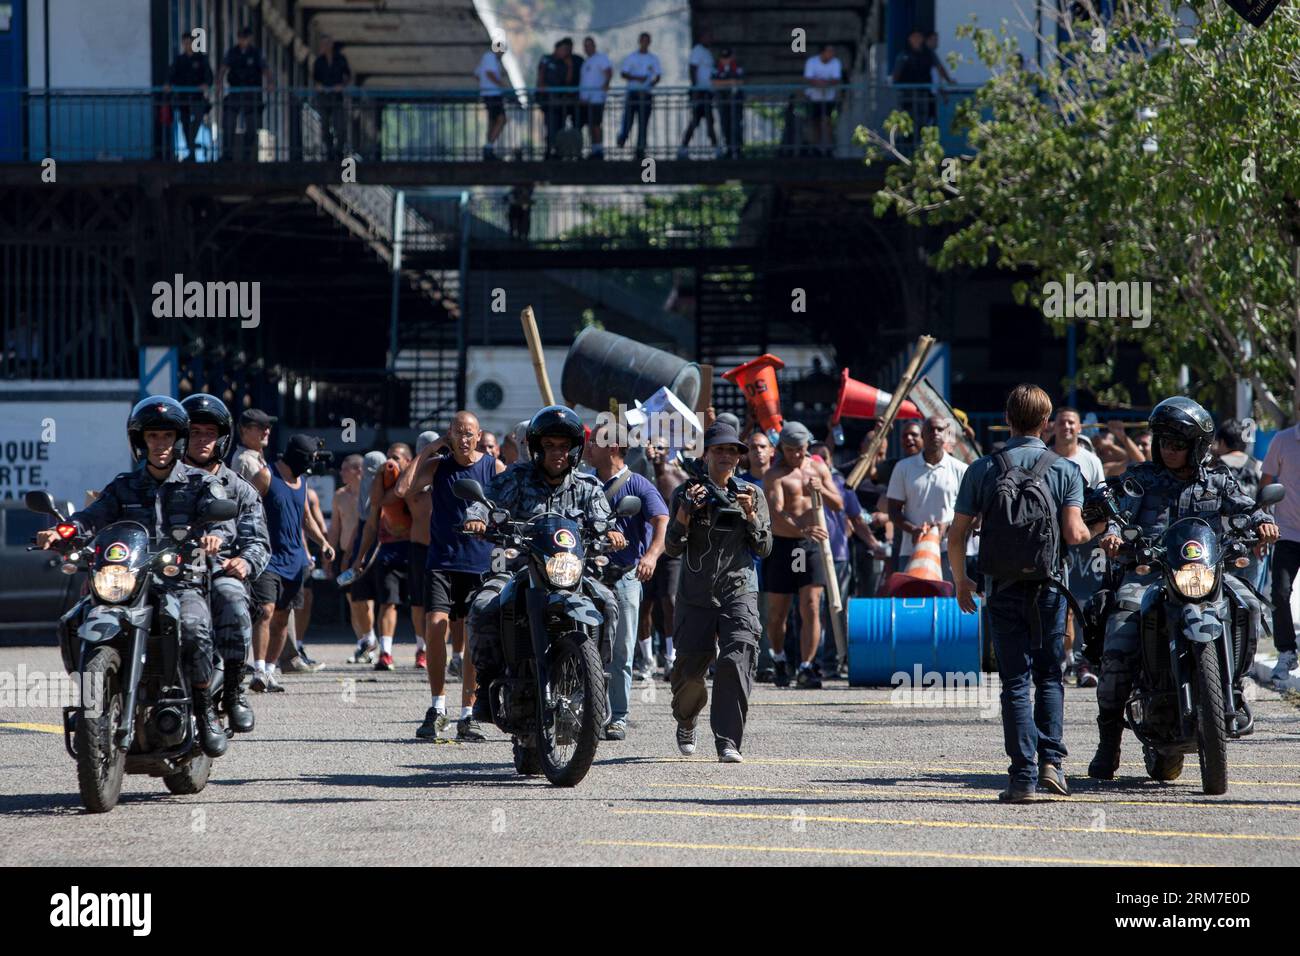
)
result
[(1110, 727), (211, 737), (482, 699), (239, 716)]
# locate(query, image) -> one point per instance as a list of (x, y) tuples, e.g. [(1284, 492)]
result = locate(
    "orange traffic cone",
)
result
[(757, 379), (925, 563), (860, 400)]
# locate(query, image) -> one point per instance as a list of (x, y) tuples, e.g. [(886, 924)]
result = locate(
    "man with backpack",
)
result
[(1028, 502)]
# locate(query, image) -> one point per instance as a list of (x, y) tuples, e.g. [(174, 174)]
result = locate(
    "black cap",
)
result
[(255, 416), (722, 433)]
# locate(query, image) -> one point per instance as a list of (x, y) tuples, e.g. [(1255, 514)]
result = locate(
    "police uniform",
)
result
[(159, 506), (1166, 498), (246, 537), (522, 489)]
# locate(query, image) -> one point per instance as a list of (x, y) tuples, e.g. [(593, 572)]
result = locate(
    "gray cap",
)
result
[(370, 466), (425, 440), (795, 434), (729, 419)]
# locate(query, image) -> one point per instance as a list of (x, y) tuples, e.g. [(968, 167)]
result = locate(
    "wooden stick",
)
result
[(539, 360), (834, 599), (1007, 428), (910, 374), (706, 388)]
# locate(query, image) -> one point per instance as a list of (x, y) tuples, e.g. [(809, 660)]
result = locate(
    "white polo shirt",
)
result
[(927, 491), (591, 81), (702, 60), (815, 69), (641, 64), (490, 64)]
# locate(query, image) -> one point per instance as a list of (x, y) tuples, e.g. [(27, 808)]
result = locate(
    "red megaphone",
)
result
[(860, 400), (757, 379)]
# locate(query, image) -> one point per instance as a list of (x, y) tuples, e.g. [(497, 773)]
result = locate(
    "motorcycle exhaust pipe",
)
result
[(169, 722)]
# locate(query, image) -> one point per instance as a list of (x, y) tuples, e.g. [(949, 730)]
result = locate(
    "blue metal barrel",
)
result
[(888, 635)]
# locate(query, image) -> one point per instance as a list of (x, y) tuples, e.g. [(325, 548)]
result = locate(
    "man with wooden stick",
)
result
[(795, 565)]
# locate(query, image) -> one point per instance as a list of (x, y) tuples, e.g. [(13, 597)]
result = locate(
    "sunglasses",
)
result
[(1176, 444)]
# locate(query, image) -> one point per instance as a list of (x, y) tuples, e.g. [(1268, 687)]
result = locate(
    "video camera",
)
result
[(321, 459), (1102, 503), (720, 507)]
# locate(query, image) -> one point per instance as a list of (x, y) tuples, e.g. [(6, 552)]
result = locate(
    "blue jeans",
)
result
[(1030, 733), (637, 104), (628, 592)]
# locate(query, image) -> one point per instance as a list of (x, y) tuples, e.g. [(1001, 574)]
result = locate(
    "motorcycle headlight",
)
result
[(564, 569), (1194, 580), (113, 583)]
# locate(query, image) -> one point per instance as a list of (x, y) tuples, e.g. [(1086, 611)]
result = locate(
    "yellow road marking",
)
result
[(955, 824), (891, 854), (40, 728), (985, 797)]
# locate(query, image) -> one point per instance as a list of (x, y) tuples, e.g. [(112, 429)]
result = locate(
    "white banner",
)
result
[(64, 447)]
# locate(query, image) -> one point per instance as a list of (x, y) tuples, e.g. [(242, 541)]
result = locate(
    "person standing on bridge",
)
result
[(642, 72), (559, 71), (191, 72), (700, 68), (245, 69), (728, 78), (824, 74), (593, 88), (330, 75), (492, 87)]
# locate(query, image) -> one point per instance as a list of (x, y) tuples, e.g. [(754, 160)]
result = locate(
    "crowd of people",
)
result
[(691, 591)]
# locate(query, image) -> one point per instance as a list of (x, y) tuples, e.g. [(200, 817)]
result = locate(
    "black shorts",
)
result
[(386, 580), (663, 584), (592, 114), (495, 106), (284, 593), (702, 104), (416, 577), (779, 575), (820, 109), (450, 591)]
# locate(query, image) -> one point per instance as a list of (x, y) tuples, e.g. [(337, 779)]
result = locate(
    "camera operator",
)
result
[(719, 526)]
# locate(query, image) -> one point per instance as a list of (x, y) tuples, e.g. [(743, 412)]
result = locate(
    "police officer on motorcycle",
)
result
[(161, 492), (1179, 482), (547, 480), (243, 557)]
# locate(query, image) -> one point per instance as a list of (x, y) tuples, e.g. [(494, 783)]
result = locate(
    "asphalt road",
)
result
[(334, 775)]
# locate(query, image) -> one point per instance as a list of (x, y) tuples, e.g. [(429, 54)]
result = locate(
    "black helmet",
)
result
[(1180, 417), (157, 412), (560, 421), (210, 410)]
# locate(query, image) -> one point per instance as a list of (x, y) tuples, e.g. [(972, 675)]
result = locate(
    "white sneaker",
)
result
[(365, 653), (1286, 663), (730, 755)]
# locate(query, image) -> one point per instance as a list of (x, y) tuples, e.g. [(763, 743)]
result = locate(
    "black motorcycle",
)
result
[(123, 641), (552, 697), (1197, 635)]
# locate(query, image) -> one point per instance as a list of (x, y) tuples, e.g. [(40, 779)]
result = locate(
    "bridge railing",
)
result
[(288, 125)]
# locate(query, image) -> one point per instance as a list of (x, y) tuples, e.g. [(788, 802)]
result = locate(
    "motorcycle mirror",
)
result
[(1238, 522), (467, 489), (181, 532), (500, 515), (628, 506), (1132, 488), (1131, 534), (1270, 495), (42, 502)]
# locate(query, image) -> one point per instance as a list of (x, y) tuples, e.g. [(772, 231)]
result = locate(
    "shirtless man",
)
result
[(661, 589), (421, 506), (795, 564), (453, 564)]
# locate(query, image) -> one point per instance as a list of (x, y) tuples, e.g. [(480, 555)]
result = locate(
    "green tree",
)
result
[(1152, 147)]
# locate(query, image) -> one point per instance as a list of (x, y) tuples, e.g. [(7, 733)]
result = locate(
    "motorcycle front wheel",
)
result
[(527, 761), (100, 764), (572, 710), (1211, 729), (1163, 767)]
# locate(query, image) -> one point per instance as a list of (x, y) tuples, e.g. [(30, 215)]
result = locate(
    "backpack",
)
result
[(1020, 537)]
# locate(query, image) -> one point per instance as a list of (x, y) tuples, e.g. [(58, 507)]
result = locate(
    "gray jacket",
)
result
[(245, 534), (719, 566), (523, 491)]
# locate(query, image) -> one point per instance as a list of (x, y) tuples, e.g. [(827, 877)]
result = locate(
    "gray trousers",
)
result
[(231, 618), (196, 632), (731, 634), (1119, 660)]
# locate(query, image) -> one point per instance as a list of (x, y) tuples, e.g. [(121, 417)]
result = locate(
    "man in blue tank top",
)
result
[(284, 498), (454, 563)]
